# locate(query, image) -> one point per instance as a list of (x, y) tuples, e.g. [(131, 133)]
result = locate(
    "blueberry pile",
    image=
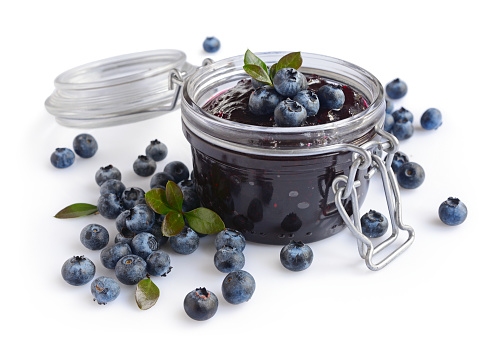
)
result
[(290, 100)]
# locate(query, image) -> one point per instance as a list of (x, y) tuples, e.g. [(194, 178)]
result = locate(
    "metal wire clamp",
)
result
[(344, 186)]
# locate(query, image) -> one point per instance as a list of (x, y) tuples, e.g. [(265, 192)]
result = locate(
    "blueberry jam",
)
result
[(233, 105), (273, 199)]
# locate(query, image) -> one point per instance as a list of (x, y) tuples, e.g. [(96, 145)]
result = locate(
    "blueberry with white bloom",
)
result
[(238, 287), (156, 150), (228, 259), (373, 224), (94, 236), (109, 205), (110, 255), (396, 89), (112, 186), (289, 113), (200, 304), (211, 44), (85, 145), (62, 158), (186, 242), (309, 100), (431, 119), (130, 269), (78, 270), (296, 256), (104, 289), (144, 166), (410, 175), (144, 244), (452, 211), (331, 96), (264, 100), (289, 81), (106, 173), (158, 263)]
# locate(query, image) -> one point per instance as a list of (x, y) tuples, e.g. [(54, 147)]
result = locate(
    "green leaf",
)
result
[(293, 60), (77, 210), (258, 73), (272, 71), (204, 221), (174, 196), (252, 59), (156, 200), (173, 223), (146, 294)]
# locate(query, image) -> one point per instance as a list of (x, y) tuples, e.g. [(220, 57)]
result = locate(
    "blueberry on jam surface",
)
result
[(233, 105)]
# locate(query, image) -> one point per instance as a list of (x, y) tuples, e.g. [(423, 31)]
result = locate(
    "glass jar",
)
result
[(274, 184)]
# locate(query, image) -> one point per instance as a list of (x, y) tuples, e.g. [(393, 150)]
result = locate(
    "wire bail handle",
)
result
[(344, 187)]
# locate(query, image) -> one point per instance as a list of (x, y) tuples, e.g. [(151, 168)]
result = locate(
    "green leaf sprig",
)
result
[(258, 70), (168, 202), (77, 210)]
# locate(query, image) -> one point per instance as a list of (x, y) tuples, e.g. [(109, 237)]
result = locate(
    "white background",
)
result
[(442, 290)]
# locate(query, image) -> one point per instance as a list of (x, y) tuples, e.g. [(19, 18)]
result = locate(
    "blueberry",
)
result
[(389, 121), (396, 89), (431, 119), (200, 304), (120, 223), (178, 170), (289, 113), (110, 256), (403, 129), (85, 145), (106, 173), (373, 224), (112, 186), (159, 180), (109, 206), (62, 158), (144, 166), (389, 106), (140, 219), (453, 211), (120, 238), (131, 196), (238, 287), (104, 289), (230, 237), (403, 113), (130, 269), (331, 96), (211, 44), (296, 256), (94, 236), (78, 270), (158, 263), (144, 244), (228, 259), (186, 242), (309, 100), (263, 100), (156, 150), (289, 81), (399, 158), (410, 175)]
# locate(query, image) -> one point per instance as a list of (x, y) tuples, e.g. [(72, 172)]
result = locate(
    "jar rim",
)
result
[(205, 124)]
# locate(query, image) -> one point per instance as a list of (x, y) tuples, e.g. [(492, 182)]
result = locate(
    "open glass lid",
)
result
[(119, 90)]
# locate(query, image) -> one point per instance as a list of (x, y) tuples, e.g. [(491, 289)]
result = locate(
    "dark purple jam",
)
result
[(233, 105)]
